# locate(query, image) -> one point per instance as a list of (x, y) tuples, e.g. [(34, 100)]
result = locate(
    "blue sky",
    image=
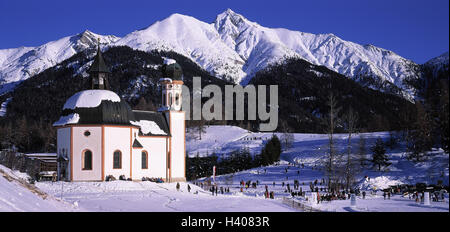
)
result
[(415, 29)]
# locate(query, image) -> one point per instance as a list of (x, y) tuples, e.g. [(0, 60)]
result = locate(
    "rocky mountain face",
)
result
[(438, 64)]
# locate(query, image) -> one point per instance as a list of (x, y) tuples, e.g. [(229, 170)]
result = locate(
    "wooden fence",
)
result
[(298, 205), (19, 161)]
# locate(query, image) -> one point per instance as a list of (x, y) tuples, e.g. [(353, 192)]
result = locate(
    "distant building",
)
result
[(98, 134)]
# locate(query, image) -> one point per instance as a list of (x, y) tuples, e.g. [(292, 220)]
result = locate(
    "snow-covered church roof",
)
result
[(105, 107), (90, 98)]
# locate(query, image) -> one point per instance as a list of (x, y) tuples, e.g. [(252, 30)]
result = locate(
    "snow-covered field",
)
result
[(124, 196), (149, 196), (277, 173), (307, 149), (310, 149)]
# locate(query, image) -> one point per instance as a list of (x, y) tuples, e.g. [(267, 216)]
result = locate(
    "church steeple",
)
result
[(99, 71)]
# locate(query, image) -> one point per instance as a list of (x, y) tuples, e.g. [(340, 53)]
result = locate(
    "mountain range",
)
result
[(232, 48)]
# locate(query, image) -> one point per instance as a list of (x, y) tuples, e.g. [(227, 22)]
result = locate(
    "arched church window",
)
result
[(86, 160), (144, 159), (117, 159)]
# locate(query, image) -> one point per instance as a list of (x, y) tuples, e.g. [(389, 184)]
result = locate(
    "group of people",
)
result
[(332, 196), (247, 184), (268, 194), (214, 189), (419, 197)]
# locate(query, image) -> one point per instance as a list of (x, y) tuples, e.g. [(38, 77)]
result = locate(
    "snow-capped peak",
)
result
[(231, 47), (18, 64)]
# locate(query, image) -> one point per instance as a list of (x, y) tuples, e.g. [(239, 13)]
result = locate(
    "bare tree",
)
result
[(350, 120), (287, 138), (200, 127), (331, 159), (362, 151)]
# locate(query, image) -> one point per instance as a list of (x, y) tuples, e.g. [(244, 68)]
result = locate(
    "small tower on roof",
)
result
[(99, 71)]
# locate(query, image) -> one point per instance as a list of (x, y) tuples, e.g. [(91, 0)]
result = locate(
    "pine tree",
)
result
[(379, 156), (271, 151)]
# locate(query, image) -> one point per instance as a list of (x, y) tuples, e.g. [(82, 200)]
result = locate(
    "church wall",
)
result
[(117, 138), (177, 126), (156, 150), (93, 142)]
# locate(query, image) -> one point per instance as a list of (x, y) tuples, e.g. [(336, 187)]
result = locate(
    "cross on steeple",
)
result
[(99, 71)]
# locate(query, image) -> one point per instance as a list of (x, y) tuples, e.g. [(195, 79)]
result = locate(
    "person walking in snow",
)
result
[(384, 195), (364, 194), (189, 188), (178, 186)]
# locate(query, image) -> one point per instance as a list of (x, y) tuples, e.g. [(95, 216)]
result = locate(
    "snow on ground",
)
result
[(277, 174), (223, 140), (309, 150), (14, 197), (124, 196), (155, 197), (3, 107)]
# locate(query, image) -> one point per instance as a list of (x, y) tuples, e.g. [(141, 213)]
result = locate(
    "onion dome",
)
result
[(171, 69)]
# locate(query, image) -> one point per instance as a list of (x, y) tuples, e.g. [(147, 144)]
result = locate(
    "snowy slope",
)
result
[(18, 64), (310, 150), (14, 197)]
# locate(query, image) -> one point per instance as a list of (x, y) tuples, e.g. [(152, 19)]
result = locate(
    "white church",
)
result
[(99, 135)]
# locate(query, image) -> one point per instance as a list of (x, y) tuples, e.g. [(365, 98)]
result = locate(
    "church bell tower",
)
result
[(99, 71), (171, 83)]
